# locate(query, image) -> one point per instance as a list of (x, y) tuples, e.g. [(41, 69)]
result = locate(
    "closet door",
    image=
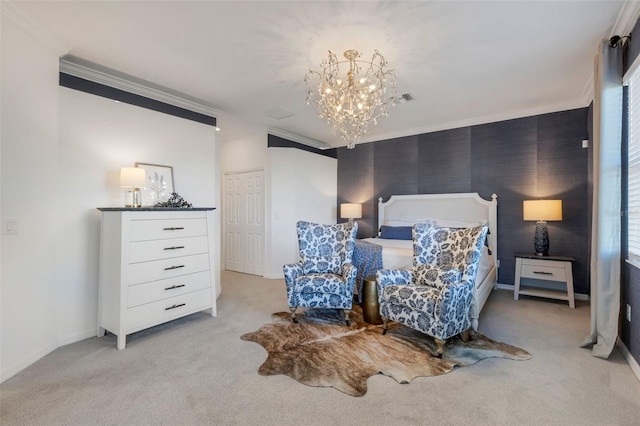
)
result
[(244, 222)]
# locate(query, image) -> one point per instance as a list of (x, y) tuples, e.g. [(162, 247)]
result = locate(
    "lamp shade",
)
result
[(542, 210), (350, 211), (132, 177)]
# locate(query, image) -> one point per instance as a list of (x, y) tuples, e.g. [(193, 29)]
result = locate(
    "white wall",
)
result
[(303, 186), (97, 136), (243, 146), (299, 185), (29, 191), (61, 154)]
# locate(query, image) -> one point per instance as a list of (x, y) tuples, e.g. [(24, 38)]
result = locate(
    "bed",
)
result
[(449, 210)]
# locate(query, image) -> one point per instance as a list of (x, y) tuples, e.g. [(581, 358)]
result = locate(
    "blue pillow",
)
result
[(396, 232)]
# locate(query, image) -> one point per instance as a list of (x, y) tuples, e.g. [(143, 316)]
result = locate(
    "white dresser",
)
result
[(156, 265)]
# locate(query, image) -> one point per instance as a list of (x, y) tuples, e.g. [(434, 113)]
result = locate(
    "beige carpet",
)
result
[(320, 350), (197, 371)]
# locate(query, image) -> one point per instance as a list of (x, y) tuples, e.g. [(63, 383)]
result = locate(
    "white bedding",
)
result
[(398, 254)]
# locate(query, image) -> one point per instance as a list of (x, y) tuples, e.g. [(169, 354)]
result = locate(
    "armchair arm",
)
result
[(291, 272), (349, 273), (455, 300), (386, 277)]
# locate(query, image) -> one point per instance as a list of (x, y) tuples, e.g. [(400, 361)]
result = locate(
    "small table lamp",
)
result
[(541, 211), (134, 178), (350, 211)]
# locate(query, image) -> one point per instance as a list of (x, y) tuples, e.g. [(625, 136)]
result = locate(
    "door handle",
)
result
[(173, 228), (174, 247)]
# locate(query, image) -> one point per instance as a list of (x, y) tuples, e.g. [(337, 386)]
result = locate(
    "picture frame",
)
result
[(159, 181)]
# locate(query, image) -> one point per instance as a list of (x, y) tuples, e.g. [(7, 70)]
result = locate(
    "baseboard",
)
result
[(273, 276), (635, 367), (77, 338), (577, 296), (16, 368)]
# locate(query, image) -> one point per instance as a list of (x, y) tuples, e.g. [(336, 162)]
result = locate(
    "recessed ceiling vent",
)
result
[(405, 97), (279, 113)]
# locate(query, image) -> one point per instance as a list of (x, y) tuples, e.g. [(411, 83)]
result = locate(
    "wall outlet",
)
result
[(628, 312)]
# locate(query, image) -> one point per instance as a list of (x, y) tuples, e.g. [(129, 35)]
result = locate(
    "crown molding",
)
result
[(629, 13), (626, 20), (84, 69), (31, 27), (298, 138)]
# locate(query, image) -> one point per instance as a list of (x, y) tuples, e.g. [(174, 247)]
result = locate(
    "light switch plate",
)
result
[(10, 227)]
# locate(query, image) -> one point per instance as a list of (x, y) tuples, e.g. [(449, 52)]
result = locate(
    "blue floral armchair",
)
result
[(325, 276), (435, 295)]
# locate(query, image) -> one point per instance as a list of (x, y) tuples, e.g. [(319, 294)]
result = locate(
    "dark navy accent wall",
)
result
[(631, 48), (278, 142), (87, 86), (446, 153), (356, 185), (532, 157)]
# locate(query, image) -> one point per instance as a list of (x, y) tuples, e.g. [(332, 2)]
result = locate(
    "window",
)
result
[(633, 192)]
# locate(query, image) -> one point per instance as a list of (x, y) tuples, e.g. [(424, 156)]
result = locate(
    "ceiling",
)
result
[(464, 62)]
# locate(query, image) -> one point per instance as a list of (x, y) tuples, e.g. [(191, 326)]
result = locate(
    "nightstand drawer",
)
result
[(544, 268), (543, 272)]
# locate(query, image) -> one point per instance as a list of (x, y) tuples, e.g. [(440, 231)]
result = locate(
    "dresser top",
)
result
[(154, 209)]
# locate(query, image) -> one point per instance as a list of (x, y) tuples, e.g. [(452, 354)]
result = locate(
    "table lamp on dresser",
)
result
[(133, 178), (541, 211)]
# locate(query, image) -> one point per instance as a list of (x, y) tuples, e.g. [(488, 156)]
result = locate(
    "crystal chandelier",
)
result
[(353, 101)]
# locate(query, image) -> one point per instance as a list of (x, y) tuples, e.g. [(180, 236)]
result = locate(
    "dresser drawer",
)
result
[(156, 229), (144, 316), (545, 272), (158, 290), (142, 251), (167, 268)]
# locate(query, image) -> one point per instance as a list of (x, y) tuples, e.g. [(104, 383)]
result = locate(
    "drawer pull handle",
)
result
[(543, 273), (175, 286), (174, 306), (174, 228), (174, 248), (174, 267)]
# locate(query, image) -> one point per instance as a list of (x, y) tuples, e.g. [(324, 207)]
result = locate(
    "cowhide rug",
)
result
[(321, 351)]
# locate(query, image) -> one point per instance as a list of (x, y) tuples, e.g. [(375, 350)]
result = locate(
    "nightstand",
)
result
[(548, 268)]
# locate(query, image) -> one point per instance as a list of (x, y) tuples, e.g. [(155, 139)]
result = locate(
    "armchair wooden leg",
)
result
[(347, 312), (384, 325), (465, 336), (440, 348), (293, 314)]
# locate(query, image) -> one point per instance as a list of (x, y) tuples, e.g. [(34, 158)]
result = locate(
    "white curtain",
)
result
[(605, 232)]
